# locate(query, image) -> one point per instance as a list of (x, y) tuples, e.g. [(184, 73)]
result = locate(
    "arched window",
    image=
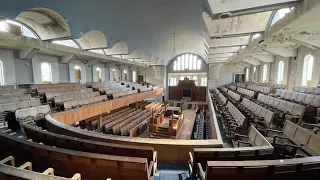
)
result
[(264, 75), (1, 74), (172, 81), (114, 75), (175, 65), (280, 14), (307, 70), (77, 71), (25, 31), (280, 72), (195, 78), (98, 74), (204, 81), (134, 76), (46, 72), (125, 73), (187, 62), (190, 61), (247, 74), (199, 64)]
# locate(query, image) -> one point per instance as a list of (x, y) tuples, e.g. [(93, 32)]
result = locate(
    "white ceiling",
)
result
[(221, 6), (229, 36)]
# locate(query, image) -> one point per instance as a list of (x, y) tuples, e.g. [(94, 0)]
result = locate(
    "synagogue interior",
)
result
[(159, 90)]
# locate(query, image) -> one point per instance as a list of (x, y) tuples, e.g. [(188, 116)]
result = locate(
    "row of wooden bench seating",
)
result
[(37, 134), (32, 113), (295, 169), (16, 98), (246, 92), (35, 86), (6, 87), (265, 114), (59, 89), (232, 94), (9, 171), (303, 135), (49, 96), (264, 90), (79, 102), (13, 92), (91, 166), (308, 90), (19, 105), (303, 98), (293, 110), (257, 147)]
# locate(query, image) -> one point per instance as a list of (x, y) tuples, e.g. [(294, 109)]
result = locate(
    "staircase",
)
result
[(162, 133)]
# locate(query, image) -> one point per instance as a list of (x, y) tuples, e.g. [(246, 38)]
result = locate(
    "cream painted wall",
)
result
[(226, 73), (94, 72), (6, 56), (37, 60), (72, 71)]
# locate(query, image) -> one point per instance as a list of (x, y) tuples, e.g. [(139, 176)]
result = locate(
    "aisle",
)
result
[(172, 172)]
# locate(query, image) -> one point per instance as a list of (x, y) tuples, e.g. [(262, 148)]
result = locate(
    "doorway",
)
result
[(77, 71)]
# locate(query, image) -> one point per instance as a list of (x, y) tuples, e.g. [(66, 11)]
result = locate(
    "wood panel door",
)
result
[(78, 75)]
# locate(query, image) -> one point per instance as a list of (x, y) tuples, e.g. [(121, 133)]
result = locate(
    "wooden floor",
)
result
[(189, 118)]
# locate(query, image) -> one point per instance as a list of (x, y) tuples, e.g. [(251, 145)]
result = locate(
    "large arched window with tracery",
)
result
[(187, 62), (307, 69), (46, 72)]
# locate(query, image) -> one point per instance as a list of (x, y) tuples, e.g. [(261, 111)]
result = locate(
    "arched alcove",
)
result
[(93, 40), (47, 23)]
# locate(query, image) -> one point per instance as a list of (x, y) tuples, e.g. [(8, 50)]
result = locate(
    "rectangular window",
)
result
[(190, 62), (187, 61), (175, 65), (182, 62), (194, 63), (178, 65), (203, 81), (199, 64)]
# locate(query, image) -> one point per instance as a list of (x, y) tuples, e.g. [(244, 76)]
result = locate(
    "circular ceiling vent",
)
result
[(224, 15)]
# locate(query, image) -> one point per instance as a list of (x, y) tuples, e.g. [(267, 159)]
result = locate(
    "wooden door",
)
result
[(140, 78), (78, 75), (125, 77), (98, 76)]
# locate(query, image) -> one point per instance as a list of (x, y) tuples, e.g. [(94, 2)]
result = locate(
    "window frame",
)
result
[(308, 66), (265, 73), (280, 72), (49, 80)]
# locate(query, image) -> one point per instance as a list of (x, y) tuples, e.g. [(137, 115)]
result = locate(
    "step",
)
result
[(162, 130), (162, 133)]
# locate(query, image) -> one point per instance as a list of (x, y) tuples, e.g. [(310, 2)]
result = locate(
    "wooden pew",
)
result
[(293, 169), (294, 136), (72, 143), (8, 171), (91, 166), (260, 149)]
